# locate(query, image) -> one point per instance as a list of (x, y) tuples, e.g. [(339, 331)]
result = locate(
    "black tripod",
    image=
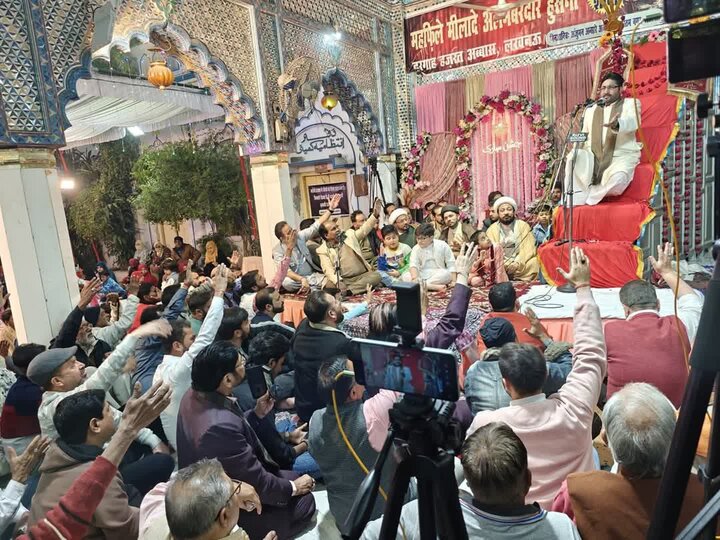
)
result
[(704, 377), (374, 180), (429, 440)]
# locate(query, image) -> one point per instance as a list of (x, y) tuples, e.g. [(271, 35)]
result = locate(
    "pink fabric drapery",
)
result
[(438, 167), (430, 104), (503, 159), (573, 83), (517, 81), (454, 103)]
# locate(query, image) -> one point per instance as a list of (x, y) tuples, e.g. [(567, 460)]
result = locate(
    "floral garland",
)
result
[(540, 126), (410, 177)]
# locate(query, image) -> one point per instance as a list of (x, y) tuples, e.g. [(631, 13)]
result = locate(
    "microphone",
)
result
[(600, 102)]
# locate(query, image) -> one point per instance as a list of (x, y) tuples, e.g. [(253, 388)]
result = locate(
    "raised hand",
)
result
[(292, 239), (141, 410), (334, 201), (236, 260), (466, 259), (536, 330), (88, 292), (133, 286), (579, 274), (220, 280), (23, 465), (158, 328), (663, 263), (264, 405), (377, 207)]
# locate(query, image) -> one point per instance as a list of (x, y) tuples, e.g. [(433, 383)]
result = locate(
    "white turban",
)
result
[(505, 200), (396, 214)]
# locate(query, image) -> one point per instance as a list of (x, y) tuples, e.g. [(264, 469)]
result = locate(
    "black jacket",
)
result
[(311, 347), (67, 337)]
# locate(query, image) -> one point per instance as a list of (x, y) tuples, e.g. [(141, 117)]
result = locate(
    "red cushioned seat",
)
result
[(621, 221), (641, 188), (613, 264)]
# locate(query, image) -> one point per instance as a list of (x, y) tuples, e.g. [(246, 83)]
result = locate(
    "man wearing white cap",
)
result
[(400, 218), (517, 240)]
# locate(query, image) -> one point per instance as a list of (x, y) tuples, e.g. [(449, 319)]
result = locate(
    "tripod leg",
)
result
[(450, 521), (396, 498), (426, 510)]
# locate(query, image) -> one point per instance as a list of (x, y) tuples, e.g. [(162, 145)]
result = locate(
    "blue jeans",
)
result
[(304, 463)]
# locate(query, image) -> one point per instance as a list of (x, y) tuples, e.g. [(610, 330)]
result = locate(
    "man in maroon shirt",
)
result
[(647, 347)]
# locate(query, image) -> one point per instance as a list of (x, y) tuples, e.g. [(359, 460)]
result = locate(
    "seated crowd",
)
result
[(143, 418)]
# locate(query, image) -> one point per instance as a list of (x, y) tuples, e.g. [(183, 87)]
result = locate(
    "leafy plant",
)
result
[(187, 181), (103, 211)]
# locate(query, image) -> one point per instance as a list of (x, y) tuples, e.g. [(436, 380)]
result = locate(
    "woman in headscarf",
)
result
[(102, 268)]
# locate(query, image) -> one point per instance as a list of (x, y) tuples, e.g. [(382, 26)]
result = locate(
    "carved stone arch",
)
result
[(358, 109)]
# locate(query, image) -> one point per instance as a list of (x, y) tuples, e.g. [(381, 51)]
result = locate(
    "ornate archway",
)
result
[(358, 109), (240, 110)]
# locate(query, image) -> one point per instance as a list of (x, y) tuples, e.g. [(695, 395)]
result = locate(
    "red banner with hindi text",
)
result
[(458, 36)]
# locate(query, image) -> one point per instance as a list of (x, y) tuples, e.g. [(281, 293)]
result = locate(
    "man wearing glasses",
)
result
[(604, 166)]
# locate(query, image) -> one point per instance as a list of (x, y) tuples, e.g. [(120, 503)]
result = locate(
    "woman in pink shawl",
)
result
[(488, 269)]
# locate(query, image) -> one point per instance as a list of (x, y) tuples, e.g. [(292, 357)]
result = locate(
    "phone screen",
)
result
[(260, 380), (427, 372)]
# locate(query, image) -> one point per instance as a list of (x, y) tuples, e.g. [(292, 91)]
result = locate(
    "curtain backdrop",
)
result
[(518, 80), (430, 106), (454, 103), (543, 81), (438, 164), (573, 83), (503, 159), (474, 90)]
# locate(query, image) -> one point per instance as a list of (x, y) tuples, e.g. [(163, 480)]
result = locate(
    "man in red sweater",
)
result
[(647, 347)]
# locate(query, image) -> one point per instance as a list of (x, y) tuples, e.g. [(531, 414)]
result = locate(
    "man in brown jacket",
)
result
[(85, 423), (639, 422)]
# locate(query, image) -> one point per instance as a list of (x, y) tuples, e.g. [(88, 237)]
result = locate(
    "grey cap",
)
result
[(44, 365)]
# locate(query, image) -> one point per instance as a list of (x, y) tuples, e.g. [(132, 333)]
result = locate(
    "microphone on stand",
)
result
[(600, 102)]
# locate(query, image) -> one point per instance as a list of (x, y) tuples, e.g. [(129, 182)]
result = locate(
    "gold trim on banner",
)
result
[(28, 158)]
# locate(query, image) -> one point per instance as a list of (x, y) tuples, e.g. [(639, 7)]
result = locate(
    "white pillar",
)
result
[(35, 244), (273, 198)]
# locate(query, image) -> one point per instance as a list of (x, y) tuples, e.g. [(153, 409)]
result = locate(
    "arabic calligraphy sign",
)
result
[(326, 140), (318, 195), (457, 36)]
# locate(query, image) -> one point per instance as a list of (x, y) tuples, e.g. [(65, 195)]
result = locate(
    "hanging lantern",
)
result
[(329, 101), (159, 74)]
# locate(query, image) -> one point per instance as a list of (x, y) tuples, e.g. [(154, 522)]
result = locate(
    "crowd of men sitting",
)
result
[(138, 420)]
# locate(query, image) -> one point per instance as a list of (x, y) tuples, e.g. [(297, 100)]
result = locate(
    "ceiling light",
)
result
[(67, 183), (135, 131)]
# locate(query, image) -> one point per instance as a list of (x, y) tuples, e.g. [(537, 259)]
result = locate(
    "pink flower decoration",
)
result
[(485, 100), (536, 108), (504, 94), (458, 131), (470, 118), (542, 166), (541, 132)]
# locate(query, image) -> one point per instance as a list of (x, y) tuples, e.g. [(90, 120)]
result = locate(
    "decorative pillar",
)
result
[(273, 197), (35, 244), (34, 241)]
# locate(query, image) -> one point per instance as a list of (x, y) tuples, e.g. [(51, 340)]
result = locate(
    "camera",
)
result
[(406, 366)]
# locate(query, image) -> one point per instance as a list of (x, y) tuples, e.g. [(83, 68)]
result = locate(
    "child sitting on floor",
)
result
[(488, 269), (542, 230), (432, 260), (394, 259)]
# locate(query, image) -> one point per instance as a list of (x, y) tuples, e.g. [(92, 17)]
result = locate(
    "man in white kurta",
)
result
[(605, 164)]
